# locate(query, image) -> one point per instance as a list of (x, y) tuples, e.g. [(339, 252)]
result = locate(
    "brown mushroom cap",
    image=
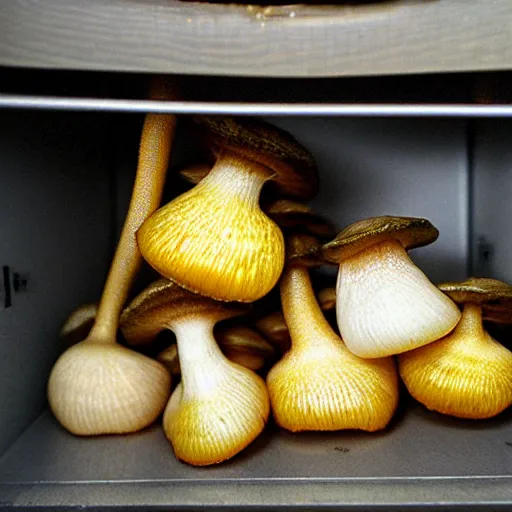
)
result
[(292, 214), (244, 339), (411, 232), (303, 250), (494, 296), (162, 302), (327, 298), (195, 173), (274, 328), (295, 169), (498, 313), (170, 359), (78, 325)]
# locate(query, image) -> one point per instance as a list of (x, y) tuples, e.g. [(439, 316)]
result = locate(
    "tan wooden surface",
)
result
[(192, 38)]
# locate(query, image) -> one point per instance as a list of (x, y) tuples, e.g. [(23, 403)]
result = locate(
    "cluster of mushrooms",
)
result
[(221, 250)]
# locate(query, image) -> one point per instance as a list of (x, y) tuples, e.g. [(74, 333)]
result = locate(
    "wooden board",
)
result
[(169, 36)]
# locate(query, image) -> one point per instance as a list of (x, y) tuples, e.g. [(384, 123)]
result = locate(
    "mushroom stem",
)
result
[(99, 387), (307, 324), (470, 324), (319, 384), (154, 153), (235, 176), (219, 407), (466, 374), (201, 361)]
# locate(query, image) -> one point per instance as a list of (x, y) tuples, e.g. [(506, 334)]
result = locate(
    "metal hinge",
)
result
[(12, 283)]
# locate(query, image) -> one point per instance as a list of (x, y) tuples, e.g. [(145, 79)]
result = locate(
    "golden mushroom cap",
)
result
[(295, 168), (162, 302), (223, 422), (411, 232), (466, 374)]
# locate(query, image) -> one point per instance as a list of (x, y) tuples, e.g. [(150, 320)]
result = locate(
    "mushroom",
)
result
[(319, 384), (78, 325), (291, 217), (274, 328), (292, 214), (170, 359), (385, 304), (239, 343), (98, 386), (466, 374), (195, 173), (219, 407), (284, 212), (214, 239), (245, 346), (327, 298)]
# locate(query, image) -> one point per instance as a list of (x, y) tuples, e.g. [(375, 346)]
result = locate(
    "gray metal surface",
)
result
[(55, 229), (422, 457), (169, 36), (492, 190), (371, 167), (251, 108)]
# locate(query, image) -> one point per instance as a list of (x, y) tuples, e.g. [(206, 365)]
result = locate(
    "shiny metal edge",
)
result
[(392, 494), (267, 109)]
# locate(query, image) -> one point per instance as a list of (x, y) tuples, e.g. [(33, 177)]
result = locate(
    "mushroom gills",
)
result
[(466, 374), (107, 389), (219, 407), (386, 305), (214, 239)]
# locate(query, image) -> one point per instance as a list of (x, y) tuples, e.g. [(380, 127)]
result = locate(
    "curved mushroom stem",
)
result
[(98, 386), (155, 149), (470, 323), (237, 176), (203, 365), (319, 384), (307, 324)]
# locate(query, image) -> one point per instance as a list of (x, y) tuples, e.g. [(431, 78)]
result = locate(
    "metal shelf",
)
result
[(422, 460)]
